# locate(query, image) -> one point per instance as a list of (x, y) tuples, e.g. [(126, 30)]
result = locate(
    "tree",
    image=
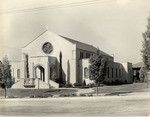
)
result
[(1, 73), (7, 72), (146, 46), (60, 69), (142, 74), (97, 68), (27, 65)]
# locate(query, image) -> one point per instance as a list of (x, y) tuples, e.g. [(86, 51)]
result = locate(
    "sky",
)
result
[(114, 26)]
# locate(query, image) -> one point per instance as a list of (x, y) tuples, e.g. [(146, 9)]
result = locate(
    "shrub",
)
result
[(112, 83), (84, 83), (82, 95), (61, 85), (20, 96), (90, 95), (108, 83), (57, 80), (64, 95), (104, 82), (45, 96), (36, 96), (84, 87), (68, 85), (76, 84), (91, 85), (101, 85), (73, 95), (31, 96), (11, 96), (41, 96), (50, 95)]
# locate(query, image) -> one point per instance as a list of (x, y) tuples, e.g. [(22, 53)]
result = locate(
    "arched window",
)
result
[(18, 73), (86, 72)]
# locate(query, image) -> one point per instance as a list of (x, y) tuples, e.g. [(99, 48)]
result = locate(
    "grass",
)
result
[(120, 89), (2, 92), (107, 90), (28, 92)]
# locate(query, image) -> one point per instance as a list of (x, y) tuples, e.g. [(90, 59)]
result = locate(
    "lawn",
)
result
[(121, 89), (106, 90), (28, 92)]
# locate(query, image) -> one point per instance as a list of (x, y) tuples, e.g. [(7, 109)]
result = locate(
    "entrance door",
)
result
[(40, 73)]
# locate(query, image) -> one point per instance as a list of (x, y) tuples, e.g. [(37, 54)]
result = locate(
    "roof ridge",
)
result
[(35, 38), (138, 63), (76, 41)]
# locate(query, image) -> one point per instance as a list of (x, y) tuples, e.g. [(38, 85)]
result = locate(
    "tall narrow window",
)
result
[(81, 55), (87, 55), (116, 73), (119, 73), (18, 73), (86, 72), (108, 72), (112, 72)]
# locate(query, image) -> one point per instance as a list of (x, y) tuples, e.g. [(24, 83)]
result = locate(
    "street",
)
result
[(136, 104)]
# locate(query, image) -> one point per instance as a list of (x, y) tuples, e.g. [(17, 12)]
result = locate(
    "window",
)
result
[(119, 73), (86, 72), (18, 73), (87, 55), (116, 73), (81, 55), (112, 72), (108, 72)]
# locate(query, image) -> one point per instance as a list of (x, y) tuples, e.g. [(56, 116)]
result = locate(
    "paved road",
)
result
[(130, 105)]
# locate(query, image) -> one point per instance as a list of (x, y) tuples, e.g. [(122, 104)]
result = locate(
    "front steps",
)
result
[(38, 84)]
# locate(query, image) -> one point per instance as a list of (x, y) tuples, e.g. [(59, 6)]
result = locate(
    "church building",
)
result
[(52, 58)]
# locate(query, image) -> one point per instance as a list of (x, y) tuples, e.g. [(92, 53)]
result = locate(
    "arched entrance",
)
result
[(40, 73)]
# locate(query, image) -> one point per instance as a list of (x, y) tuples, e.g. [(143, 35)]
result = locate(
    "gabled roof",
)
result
[(80, 45), (138, 65), (83, 46), (35, 38)]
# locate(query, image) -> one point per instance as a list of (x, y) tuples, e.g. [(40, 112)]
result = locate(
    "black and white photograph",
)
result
[(74, 58)]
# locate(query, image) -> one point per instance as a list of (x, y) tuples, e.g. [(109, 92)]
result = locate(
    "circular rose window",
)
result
[(47, 48)]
